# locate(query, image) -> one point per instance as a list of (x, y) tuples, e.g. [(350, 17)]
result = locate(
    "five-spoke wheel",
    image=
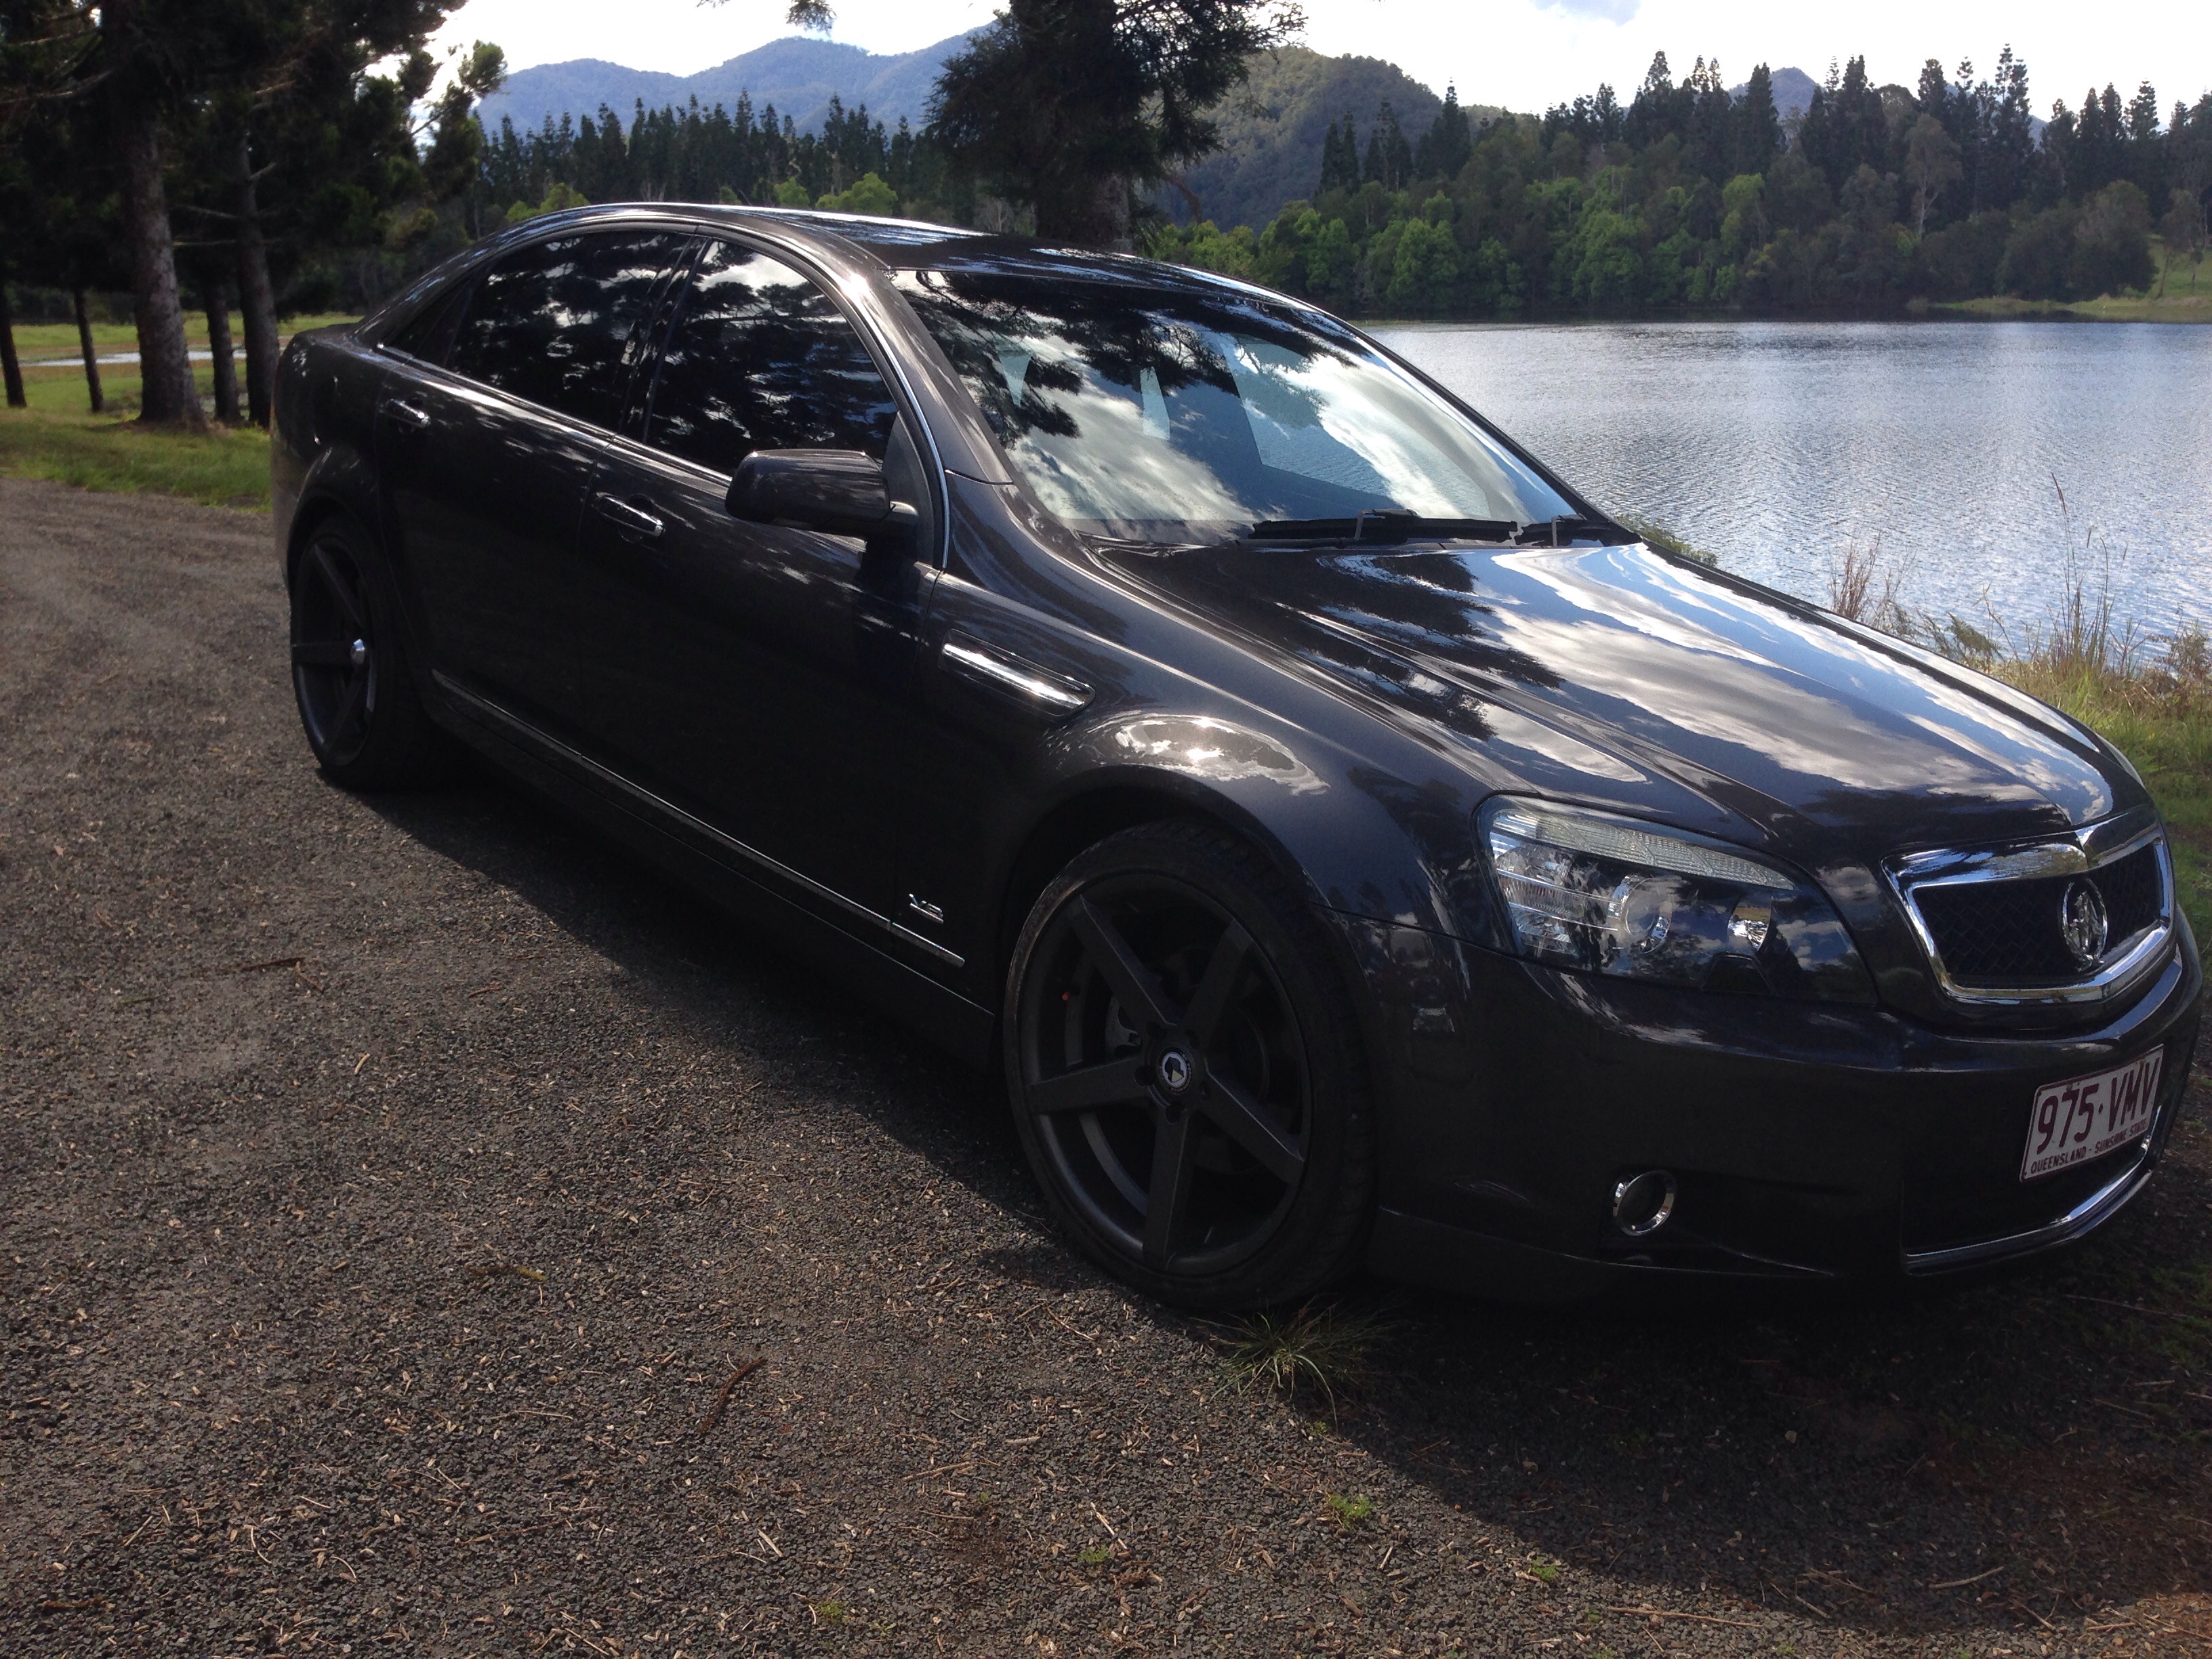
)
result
[(1182, 1072)]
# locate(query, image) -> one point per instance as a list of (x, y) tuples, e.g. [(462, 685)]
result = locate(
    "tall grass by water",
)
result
[(2149, 697)]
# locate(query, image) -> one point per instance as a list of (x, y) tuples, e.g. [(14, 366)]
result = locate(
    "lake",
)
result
[(1774, 444)]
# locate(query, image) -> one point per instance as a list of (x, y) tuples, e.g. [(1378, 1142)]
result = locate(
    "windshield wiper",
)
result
[(1562, 530), (1385, 526)]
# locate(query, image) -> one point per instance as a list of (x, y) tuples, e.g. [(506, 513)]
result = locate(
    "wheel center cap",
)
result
[(1176, 1071), (358, 651)]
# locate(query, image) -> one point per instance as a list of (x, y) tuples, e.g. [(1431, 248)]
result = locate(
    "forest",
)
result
[(1689, 198), (280, 156), (1685, 198)]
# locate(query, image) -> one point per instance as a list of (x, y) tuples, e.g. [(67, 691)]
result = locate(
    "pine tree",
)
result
[(1074, 105), (1755, 128)]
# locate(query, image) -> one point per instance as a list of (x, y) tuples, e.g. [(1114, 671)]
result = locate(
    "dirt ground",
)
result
[(393, 1186)]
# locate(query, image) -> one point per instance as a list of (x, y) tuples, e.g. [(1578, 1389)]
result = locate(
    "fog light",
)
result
[(1642, 1203)]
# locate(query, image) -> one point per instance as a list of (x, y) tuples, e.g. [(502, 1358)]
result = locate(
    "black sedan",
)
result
[(1354, 848)]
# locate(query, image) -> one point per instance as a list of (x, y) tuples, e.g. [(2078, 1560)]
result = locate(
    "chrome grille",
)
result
[(2007, 932), (1992, 919)]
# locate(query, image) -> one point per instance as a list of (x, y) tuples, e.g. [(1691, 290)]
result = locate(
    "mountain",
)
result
[(1272, 130), (798, 73), (1793, 91)]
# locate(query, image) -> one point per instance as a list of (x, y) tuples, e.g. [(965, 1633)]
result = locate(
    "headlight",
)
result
[(1611, 895)]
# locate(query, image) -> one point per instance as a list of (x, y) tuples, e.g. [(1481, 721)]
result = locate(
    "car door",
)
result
[(759, 676), (487, 429)]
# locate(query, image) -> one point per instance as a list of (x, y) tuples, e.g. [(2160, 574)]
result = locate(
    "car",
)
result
[(1356, 850)]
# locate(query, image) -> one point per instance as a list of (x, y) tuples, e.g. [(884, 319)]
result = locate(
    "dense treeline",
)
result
[(1688, 196), (719, 154)]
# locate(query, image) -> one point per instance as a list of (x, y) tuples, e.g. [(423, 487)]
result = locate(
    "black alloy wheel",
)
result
[(334, 655), (1183, 1073), (364, 718)]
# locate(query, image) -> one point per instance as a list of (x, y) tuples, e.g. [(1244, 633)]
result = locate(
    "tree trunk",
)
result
[(1111, 215), (9, 368), (257, 301), (226, 371), (91, 355), (165, 364)]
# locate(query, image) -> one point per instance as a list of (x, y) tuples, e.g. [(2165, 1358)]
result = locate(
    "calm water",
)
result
[(1773, 444)]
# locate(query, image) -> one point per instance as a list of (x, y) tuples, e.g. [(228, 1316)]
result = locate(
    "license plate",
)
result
[(2086, 1117)]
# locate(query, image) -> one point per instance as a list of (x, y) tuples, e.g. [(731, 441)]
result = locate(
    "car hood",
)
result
[(1623, 677)]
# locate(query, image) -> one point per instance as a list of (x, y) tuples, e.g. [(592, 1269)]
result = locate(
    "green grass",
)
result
[(2187, 299), (1319, 1345), (1349, 1511), (58, 438), (37, 341)]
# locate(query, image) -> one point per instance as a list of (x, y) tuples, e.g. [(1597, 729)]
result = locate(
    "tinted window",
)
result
[(553, 322), (429, 334), (760, 359), (1166, 414)]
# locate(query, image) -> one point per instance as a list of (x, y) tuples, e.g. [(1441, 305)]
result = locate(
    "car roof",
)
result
[(916, 245)]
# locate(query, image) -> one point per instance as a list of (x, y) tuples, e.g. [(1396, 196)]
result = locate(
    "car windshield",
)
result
[(1155, 415)]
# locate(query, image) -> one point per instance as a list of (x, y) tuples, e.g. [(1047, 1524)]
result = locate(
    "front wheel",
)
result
[(1186, 1074)]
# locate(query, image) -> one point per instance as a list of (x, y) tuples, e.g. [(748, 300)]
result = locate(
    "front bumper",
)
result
[(1808, 1142)]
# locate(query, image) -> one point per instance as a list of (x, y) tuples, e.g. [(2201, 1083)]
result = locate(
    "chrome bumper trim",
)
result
[(2089, 1214)]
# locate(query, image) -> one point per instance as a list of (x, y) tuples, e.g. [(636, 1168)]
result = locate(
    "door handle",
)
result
[(629, 515), (413, 414)]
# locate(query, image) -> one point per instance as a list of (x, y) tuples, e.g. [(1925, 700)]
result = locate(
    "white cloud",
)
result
[(1610, 11)]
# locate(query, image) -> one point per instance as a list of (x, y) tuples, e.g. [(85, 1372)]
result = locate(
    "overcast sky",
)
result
[(1519, 53)]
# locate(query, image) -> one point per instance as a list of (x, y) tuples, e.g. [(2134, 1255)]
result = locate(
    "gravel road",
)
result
[(393, 1186)]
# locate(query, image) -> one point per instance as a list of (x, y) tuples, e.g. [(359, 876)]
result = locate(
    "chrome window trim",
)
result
[(2090, 848)]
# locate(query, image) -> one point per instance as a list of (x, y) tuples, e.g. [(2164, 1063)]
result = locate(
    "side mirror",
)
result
[(840, 490)]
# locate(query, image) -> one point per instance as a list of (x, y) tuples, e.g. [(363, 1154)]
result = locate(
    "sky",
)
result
[(1523, 54)]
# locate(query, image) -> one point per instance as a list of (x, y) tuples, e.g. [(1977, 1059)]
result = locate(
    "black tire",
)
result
[(351, 675), (1173, 1015)]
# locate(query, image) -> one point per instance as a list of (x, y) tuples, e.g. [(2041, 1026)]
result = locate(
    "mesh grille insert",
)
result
[(2009, 933)]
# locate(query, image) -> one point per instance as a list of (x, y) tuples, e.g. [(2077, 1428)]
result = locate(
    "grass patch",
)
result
[(1320, 1346), (2187, 299), (40, 342), (100, 451), (1349, 1511), (58, 438)]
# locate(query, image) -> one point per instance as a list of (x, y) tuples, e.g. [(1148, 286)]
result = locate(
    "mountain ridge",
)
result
[(798, 73)]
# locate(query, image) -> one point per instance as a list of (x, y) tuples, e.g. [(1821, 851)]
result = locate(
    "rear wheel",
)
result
[(350, 674), (1185, 1073)]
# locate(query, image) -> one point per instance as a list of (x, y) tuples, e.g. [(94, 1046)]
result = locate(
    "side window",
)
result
[(553, 322), (429, 333), (759, 358)]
